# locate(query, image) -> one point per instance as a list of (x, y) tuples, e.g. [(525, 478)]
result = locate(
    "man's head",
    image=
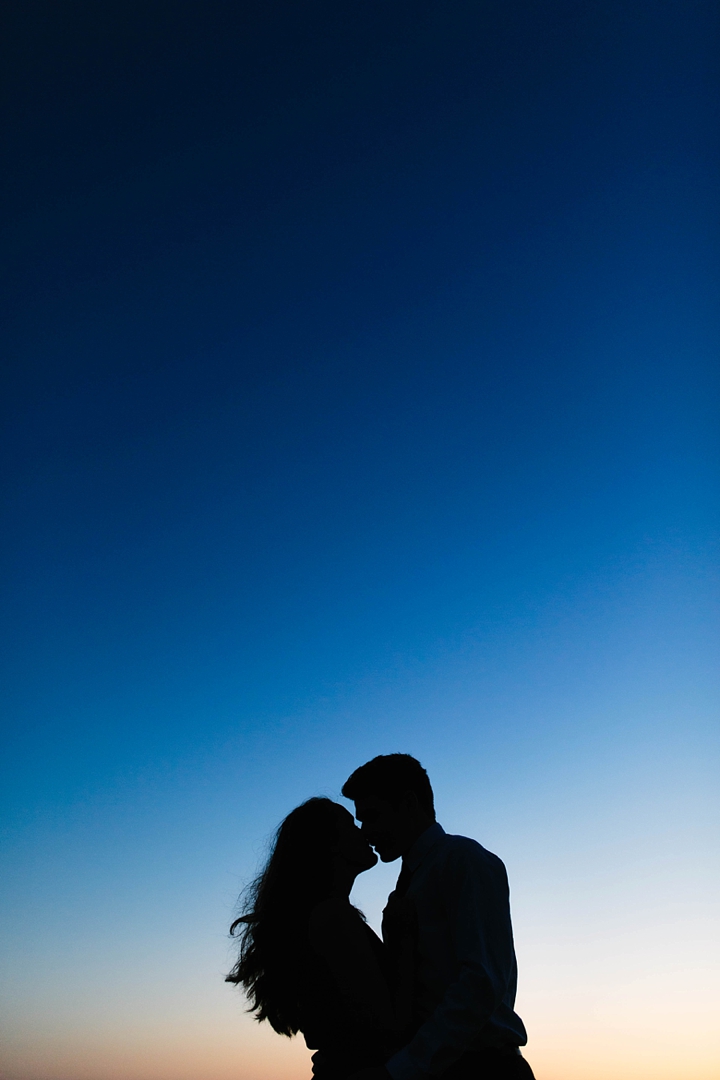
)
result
[(393, 801)]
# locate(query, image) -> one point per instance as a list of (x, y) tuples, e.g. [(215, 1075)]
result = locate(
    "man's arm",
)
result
[(478, 909)]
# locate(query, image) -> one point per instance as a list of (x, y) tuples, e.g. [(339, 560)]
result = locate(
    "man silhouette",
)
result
[(465, 1026)]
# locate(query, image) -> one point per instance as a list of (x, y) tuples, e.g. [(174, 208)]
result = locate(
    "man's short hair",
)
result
[(390, 777)]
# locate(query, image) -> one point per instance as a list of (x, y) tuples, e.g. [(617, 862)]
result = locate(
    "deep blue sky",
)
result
[(348, 347)]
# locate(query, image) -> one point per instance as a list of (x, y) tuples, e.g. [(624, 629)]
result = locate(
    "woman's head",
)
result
[(317, 846), (310, 842)]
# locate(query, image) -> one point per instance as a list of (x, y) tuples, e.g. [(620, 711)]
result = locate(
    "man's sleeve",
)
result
[(476, 891)]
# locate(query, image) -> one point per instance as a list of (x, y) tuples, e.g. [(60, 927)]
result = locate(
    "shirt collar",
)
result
[(424, 843)]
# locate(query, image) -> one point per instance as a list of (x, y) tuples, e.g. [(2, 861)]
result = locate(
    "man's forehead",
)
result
[(371, 804)]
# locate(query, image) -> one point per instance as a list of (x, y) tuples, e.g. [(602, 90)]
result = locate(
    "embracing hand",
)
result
[(399, 918)]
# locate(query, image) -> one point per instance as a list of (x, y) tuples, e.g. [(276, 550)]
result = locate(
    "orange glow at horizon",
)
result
[(589, 1032), (570, 1051)]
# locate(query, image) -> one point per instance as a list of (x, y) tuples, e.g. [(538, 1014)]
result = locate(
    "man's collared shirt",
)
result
[(466, 970)]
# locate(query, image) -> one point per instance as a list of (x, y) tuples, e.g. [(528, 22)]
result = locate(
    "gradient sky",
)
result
[(360, 395)]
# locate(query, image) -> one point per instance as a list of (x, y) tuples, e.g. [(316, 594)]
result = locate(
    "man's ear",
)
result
[(410, 801)]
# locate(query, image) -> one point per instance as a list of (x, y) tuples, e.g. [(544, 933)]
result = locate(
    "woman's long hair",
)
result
[(273, 934)]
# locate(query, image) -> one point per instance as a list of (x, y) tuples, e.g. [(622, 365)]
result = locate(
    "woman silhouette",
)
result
[(308, 961)]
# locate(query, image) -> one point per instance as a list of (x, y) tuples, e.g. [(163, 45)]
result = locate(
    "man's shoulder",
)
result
[(463, 850)]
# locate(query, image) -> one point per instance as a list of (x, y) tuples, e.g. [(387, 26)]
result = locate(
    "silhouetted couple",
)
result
[(435, 997)]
